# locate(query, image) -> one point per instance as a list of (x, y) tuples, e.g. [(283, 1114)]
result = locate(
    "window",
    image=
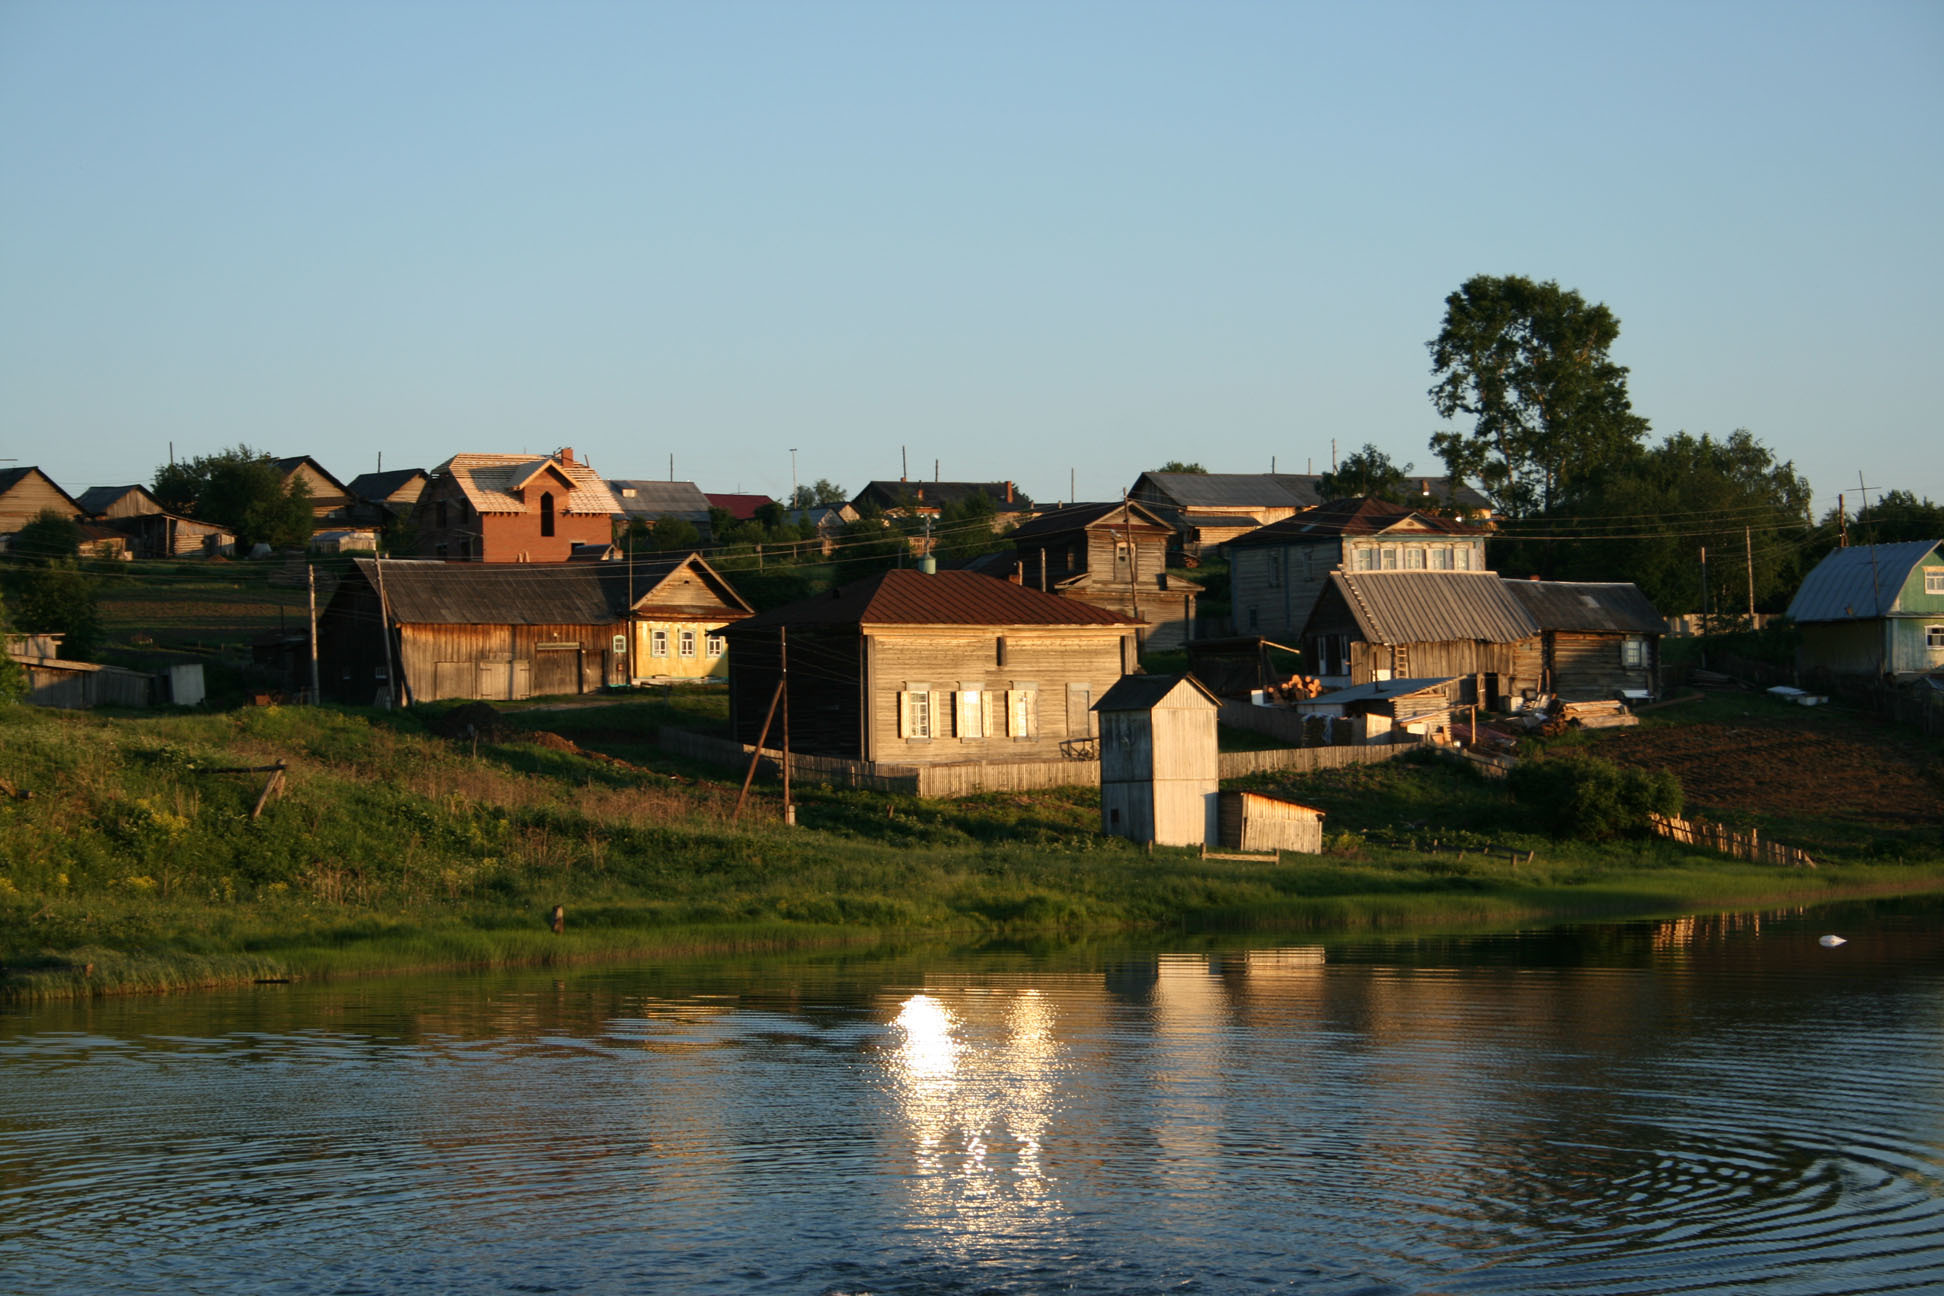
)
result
[(1441, 557), (1633, 653), (1275, 561), (658, 643), (915, 713), (1464, 556), (687, 643), (716, 645), (1390, 557), (1934, 636), (1414, 559), (1022, 713), (1366, 558), (971, 712), (546, 513), (1934, 580)]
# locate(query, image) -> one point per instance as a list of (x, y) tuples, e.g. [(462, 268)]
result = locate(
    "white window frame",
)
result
[(685, 643), (658, 643), (1389, 555), (1934, 580), (716, 645), (1414, 558), (1463, 557), (1633, 653), (1366, 558), (1022, 712), (971, 711), (1934, 636), (1443, 560), (915, 713)]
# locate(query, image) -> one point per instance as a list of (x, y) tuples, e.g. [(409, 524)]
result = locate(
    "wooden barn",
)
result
[(1114, 556), (1160, 770), (1254, 822), (25, 493), (1385, 625), (328, 496), (1601, 639), (911, 667), (459, 630)]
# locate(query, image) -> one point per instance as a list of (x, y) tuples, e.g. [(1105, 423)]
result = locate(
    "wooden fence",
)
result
[(1742, 845), (1305, 759)]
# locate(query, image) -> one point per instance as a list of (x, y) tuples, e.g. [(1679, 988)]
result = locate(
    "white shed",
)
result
[(1160, 774)]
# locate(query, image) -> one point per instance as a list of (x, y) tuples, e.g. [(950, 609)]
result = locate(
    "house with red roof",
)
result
[(512, 508), (918, 668)]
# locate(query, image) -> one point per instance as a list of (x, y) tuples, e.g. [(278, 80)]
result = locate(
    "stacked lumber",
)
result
[(1596, 715), (1295, 689)]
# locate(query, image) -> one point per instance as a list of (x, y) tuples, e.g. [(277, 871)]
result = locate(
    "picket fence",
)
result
[(1742, 845)]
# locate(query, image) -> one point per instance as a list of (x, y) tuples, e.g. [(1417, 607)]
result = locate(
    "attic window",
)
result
[(1934, 580)]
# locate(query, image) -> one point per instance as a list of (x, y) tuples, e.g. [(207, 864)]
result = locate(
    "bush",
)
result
[(1593, 799)]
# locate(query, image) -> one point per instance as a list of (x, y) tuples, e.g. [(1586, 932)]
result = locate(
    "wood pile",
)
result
[(1597, 715), (1295, 689)]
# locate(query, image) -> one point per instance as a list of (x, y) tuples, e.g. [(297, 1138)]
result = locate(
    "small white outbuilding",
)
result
[(1160, 772)]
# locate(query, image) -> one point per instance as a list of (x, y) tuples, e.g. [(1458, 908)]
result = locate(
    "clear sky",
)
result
[(1014, 240)]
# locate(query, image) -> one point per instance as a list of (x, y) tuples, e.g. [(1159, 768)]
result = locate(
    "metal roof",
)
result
[(1078, 517), (651, 500), (907, 597), (740, 507), (424, 592), (1366, 515), (1390, 688), (1859, 583), (97, 499), (887, 495), (380, 485), (1145, 692), (1400, 607), (1616, 606), (1275, 490)]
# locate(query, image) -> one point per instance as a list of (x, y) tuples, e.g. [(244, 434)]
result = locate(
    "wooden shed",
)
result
[(1160, 770), (1383, 625), (1602, 638), (1254, 822)]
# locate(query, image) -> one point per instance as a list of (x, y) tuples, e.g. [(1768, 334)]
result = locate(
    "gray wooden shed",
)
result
[(1254, 822), (1160, 773)]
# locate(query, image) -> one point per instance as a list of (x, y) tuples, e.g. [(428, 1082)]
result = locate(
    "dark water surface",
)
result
[(1714, 1105)]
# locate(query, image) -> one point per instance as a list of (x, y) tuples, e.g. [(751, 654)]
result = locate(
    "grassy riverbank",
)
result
[(130, 860)]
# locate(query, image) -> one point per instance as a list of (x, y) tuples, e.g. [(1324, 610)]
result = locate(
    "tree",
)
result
[(13, 680), (1368, 471), (1899, 515), (242, 491), (1176, 466), (1646, 519), (823, 493), (1529, 363), (50, 535), (49, 592)]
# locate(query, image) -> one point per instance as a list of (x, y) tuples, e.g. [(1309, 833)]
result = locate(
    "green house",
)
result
[(1874, 610)]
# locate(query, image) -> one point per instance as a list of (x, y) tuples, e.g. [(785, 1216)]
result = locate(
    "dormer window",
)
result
[(546, 513)]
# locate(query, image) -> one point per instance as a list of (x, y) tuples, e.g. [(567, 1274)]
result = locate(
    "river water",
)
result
[(1710, 1105)]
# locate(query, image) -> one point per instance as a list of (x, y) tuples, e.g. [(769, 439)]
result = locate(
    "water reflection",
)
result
[(1715, 1104)]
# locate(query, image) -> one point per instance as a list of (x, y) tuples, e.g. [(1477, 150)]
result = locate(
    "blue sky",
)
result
[(1014, 240)]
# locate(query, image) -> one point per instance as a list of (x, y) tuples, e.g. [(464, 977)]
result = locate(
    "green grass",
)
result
[(127, 862)]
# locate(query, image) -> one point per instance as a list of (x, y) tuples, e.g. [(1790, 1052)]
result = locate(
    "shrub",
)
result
[(1593, 799)]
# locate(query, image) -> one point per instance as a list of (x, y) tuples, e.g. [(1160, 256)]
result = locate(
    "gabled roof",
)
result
[(1859, 583), (740, 507), (382, 485), (1078, 517), (1400, 607), (1145, 692), (956, 598), (1365, 515), (489, 480), (97, 500), (292, 464), (424, 592), (1613, 606), (12, 477), (651, 500)]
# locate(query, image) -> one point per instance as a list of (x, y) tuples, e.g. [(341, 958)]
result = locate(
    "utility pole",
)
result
[(783, 653), (1704, 605), (310, 570), (794, 488), (1748, 539), (384, 630)]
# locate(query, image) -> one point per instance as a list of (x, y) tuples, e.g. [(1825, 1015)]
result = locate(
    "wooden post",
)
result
[(384, 631), (756, 755), (559, 919), (783, 655), (310, 571), (274, 784)]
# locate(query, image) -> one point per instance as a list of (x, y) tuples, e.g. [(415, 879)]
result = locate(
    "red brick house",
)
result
[(512, 508)]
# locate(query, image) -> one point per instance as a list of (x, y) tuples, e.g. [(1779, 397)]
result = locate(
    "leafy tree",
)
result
[(49, 592), (50, 535), (1529, 363), (1899, 515), (242, 491), (823, 493), (967, 528), (1368, 471), (1590, 798), (13, 680), (1176, 466)]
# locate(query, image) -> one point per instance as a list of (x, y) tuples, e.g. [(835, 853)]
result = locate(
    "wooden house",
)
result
[(1277, 572), (152, 531), (1160, 768), (912, 667), (648, 502), (1600, 639), (1208, 510), (423, 631), (25, 493), (1382, 625), (379, 499), (904, 498), (1875, 610), (109, 503), (1251, 821), (1113, 556), (329, 497), (505, 508)]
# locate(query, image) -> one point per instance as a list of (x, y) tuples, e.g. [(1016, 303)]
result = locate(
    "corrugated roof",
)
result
[(489, 480), (424, 592), (1389, 688), (1276, 490), (1363, 516), (651, 500), (380, 485), (294, 462), (1616, 606), (97, 499), (907, 597), (740, 507), (1859, 583), (1433, 607), (1077, 517), (1145, 692), (888, 495)]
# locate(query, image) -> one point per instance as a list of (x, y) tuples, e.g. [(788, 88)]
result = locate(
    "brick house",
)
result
[(512, 508)]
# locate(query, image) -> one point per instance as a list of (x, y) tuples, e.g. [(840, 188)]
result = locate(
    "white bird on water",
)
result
[(1831, 942)]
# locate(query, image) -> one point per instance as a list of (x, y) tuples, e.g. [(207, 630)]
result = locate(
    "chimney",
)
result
[(565, 454), (1009, 492)]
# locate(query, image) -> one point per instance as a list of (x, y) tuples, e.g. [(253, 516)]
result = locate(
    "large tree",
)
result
[(48, 592), (1530, 364), (1368, 471), (242, 491)]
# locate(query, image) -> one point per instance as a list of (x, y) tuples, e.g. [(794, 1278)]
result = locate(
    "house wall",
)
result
[(1845, 647), (326, 499), (1126, 775), (1273, 588), (1064, 669), (24, 502), (505, 662), (1258, 823), (1588, 666), (130, 504), (1187, 771), (1517, 665), (706, 658), (502, 537)]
